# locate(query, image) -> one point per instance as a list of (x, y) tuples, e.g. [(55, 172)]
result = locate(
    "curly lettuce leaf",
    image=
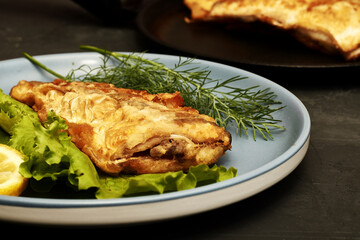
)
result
[(4, 137), (128, 185), (48, 148)]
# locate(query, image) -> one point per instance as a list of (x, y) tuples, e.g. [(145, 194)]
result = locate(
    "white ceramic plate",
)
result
[(260, 164)]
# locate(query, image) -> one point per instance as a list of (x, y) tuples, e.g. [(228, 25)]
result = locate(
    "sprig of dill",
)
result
[(221, 99)]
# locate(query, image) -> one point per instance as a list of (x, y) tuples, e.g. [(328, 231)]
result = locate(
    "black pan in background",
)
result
[(163, 22)]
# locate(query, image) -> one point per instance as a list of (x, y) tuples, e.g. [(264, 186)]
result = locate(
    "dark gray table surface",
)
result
[(320, 199)]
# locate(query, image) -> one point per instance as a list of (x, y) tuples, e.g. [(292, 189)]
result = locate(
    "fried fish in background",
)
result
[(331, 26), (128, 131)]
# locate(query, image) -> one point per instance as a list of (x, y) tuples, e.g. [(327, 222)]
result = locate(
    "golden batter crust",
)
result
[(128, 131)]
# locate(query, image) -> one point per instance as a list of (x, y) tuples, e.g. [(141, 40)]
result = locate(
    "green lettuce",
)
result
[(128, 185), (52, 157), (49, 151)]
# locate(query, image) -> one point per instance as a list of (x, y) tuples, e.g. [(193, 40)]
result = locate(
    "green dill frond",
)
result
[(245, 108)]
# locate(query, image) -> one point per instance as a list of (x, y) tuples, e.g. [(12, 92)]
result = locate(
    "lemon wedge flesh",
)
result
[(11, 181)]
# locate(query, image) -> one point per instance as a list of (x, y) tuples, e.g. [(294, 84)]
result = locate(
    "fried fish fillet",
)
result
[(332, 26), (128, 131)]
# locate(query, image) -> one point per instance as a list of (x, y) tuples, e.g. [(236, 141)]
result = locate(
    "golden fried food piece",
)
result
[(332, 26), (128, 131)]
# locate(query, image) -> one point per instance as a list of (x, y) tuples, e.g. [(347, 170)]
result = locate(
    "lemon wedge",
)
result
[(11, 181)]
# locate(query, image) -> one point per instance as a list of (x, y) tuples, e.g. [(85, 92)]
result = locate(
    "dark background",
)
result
[(319, 200)]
